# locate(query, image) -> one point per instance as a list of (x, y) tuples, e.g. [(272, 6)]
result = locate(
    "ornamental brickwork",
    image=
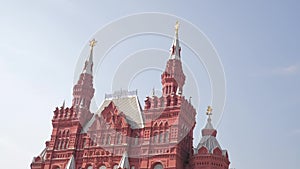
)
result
[(123, 135)]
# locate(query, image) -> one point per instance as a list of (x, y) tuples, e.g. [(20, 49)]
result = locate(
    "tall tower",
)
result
[(173, 77), (208, 153), (83, 91), (62, 149), (169, 119)]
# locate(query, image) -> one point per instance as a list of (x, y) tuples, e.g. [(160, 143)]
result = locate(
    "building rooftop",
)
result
[(126, 102)]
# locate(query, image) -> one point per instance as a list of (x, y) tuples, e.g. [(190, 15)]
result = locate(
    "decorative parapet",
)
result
[(121, 93)]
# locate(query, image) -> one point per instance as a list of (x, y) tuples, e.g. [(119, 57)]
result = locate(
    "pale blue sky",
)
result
[(258, 43)]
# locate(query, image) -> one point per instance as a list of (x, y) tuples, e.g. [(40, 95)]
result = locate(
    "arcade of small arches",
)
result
[(102, 166), (63, 140), (160, 132), (157, 165)]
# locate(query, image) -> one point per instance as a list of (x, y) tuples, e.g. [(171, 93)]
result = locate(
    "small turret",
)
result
[(209, 153)]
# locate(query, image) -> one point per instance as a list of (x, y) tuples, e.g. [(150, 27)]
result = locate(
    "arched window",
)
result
[(162, 102), (167, 136), (67, 144), (119, 138), (63, 145), (102, 167), (90, 167), (136, 140), (155, 139), (108, 139), (155, 103), (115, 166), (160, 137), (102, 139), (59, 144), (168, 101), (83, 102), (132, 167), (158, 166), (94, 140), (98, 140)]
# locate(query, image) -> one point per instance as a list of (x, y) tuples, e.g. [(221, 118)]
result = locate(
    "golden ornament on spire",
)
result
[(93, 43), (209, 110), (176, 27)]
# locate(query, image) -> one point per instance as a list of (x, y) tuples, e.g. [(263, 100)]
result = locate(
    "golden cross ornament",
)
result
[(209, 110), (93, 43)]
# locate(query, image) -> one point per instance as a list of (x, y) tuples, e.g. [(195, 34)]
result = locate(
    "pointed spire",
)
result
[(209, 113), (175, 48), (88, 67), (63, 105), (124, 163), (153, 91), (209, 129), (190, 99)]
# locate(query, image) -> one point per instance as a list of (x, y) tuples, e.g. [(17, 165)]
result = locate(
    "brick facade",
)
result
[(123, 135)]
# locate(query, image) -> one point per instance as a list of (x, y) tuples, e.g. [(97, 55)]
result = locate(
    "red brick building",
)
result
[(123, 135)]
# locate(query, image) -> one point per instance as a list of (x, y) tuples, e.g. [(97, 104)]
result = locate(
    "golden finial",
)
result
[(176, 27), (209, 110), (93, 43)]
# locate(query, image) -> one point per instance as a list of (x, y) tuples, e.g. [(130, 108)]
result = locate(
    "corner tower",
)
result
[(209, 154), (170, 118), (63, 150)]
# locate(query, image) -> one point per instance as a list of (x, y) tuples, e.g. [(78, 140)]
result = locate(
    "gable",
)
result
[(110, 118), (130, 107)]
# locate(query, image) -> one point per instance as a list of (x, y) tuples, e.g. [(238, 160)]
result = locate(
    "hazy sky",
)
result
[(257, 41)]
